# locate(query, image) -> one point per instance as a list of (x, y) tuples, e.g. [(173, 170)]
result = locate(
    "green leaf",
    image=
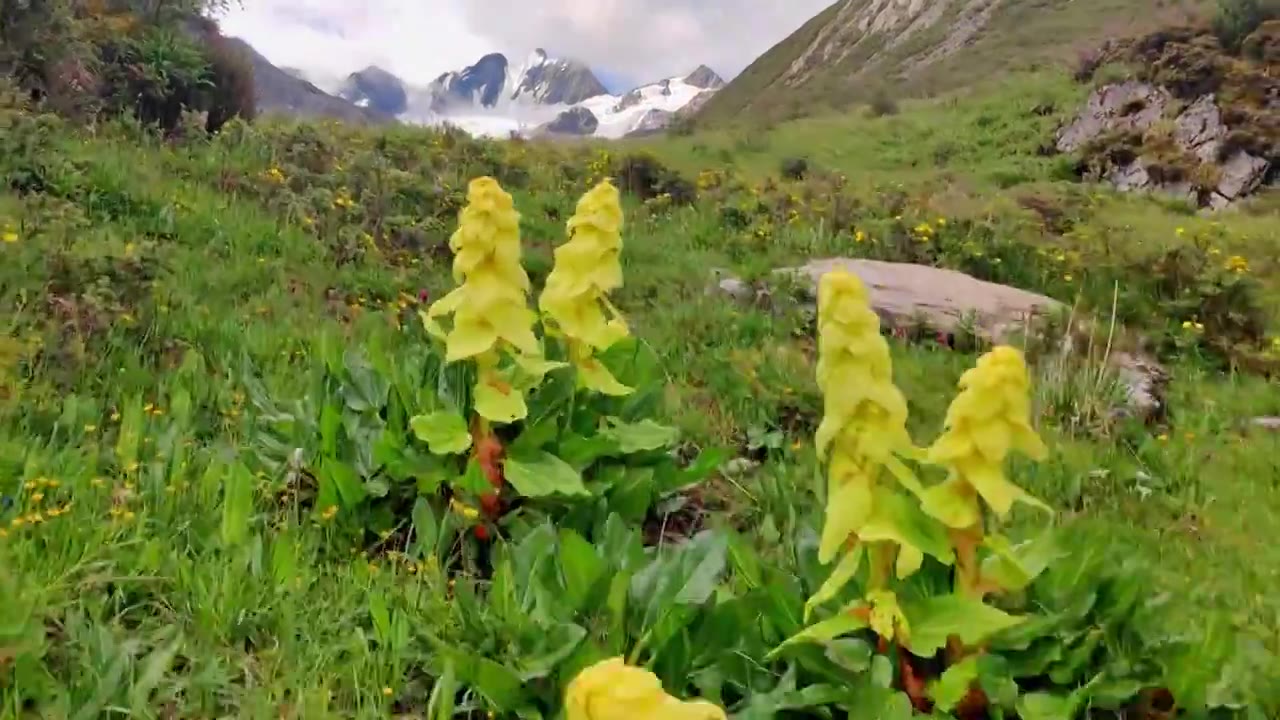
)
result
[(426, 529), (473, 480), (237, 505), (839, 577), (539, 474), (1045, 706), (342, 478), (852, 654), (843, 623), (130, 434), (948, 690), (632, 492), (898, 519), (557, 643), (996, 680), (580, 566), (498, 684), (443, 693), (639, 437), (444, 432), (932, 620), (1013, 567), (580, 451)]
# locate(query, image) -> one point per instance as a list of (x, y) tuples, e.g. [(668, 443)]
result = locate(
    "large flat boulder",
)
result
[(946, 300)]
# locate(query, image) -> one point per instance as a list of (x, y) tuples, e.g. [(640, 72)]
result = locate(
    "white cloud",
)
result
[(642, 40), (328, 39)]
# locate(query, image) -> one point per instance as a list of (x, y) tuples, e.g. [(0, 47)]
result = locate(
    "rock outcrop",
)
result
[(574, 121), (949, 302), (1138, 137), (376, 89)]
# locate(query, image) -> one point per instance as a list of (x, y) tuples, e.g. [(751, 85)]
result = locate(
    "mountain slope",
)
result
[(858, 48), (277, 91)]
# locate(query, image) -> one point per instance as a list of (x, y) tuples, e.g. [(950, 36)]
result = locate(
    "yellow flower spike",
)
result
[(862, 433), (575, 298), (988, 419), (613, 690), (489, 308)]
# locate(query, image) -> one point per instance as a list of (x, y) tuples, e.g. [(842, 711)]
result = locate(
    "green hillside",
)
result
[(831, 63), (241, 477)]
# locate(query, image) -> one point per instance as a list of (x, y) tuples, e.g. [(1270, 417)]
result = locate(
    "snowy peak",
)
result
[(493, 81), (376, 89), (549, 81), (479, 85)]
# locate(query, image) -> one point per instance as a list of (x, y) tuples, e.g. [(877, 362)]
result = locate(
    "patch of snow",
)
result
[(669, 96)]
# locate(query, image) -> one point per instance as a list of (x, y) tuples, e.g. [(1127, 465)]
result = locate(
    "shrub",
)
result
[(794, 168), (882, 104), (1237, 19), (155, 75), (231, 91)]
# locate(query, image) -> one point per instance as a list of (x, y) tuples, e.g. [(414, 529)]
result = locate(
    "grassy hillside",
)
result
[(185, 313), (830, 63)]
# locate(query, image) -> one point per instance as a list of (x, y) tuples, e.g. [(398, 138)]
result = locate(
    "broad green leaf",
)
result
[(500, 405), (539, 474), (1046, 706), (581, 452), (639, 437), (153, 669), (444, 432), (593, 375), (473, 480), (996, 680), (952, 687), (580, 566), (556, 643), (237, 504), (932, 620), (443, 693), (852, 654), (380, 617), (426, 529), (845, 622), (1013, 567), (632, 492), (344, 481), (839, 577), (498, 684), (284, 559)]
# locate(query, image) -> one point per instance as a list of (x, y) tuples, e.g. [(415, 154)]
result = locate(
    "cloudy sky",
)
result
[(627, 42)]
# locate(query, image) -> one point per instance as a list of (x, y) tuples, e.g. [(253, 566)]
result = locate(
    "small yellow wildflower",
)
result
[(989, 418), (9, 237), (1237, 264), (90, 428), (1162, 437), (1180, 232), (1068, 277), (386, 692), (613, 690), (463, 509), (860, 236), (37, 497)]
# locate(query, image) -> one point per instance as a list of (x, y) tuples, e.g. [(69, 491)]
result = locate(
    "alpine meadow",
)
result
[(929, 367)]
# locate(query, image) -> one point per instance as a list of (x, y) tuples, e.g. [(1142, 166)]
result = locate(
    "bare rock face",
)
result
[(1199, 134), (1127, 106), (949, 301), (574, 121)]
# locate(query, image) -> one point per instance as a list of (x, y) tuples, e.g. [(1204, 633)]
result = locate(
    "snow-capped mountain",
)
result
[(547, 95)]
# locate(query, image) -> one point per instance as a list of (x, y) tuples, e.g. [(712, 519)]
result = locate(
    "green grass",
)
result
[(162, 276)]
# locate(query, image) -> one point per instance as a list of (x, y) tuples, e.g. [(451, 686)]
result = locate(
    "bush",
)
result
[(882, 104), (231, 76), (155, 75), (1237, 19), (795, 168)]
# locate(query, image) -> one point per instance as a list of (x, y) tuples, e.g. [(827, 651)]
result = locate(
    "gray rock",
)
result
[(574, 121), (1267, 423), (377, 89), (951, 301), (946, 300), (631, 99), (1127, 106), (1242, 173), (1199, 129), (1129, 177), (1145, 381), (705, 78), (652, 122)]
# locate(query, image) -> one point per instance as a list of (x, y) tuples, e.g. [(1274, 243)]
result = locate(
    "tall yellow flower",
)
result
[(490, 307), (613, 690), (862, 429), (576, 299), (990, 417)]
